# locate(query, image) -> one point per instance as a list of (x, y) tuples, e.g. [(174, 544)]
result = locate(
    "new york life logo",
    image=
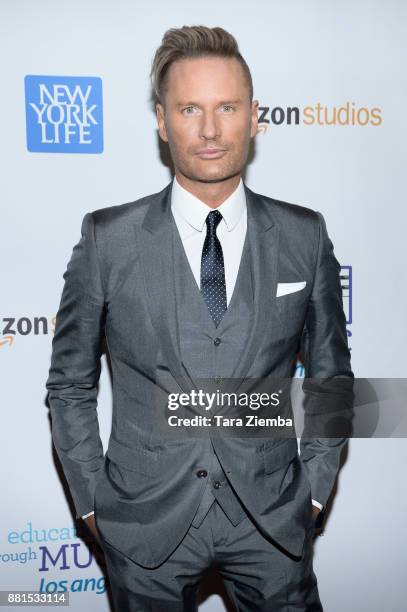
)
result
[(64, 114)]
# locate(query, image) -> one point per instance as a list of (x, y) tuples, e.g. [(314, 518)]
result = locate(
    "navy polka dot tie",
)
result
[(213, 286)]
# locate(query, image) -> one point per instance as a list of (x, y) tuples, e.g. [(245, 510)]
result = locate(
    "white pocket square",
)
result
[(284, 288)]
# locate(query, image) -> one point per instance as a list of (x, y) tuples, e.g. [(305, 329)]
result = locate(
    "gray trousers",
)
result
[(256, 574)]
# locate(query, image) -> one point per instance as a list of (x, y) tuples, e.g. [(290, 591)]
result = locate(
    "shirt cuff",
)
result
[(89, 514), (317, 504)]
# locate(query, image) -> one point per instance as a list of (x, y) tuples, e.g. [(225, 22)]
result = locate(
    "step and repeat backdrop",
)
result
[(79, 133)]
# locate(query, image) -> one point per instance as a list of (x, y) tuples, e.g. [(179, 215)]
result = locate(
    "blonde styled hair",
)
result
[(193, 42)]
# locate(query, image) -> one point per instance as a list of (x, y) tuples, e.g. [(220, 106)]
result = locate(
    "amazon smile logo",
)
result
[(24, 326)]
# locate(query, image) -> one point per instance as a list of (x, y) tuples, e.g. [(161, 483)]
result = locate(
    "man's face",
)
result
[(207, 119)]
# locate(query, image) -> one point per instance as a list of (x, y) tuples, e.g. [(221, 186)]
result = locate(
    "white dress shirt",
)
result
[(190, 214)]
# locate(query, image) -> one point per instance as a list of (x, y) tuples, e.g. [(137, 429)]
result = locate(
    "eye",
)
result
[(228, 107), (188, 110)]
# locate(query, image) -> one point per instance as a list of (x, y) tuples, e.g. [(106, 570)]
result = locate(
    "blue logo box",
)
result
[(64, 114)]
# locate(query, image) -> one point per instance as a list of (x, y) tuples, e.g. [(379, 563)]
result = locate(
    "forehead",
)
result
[(205, 78)]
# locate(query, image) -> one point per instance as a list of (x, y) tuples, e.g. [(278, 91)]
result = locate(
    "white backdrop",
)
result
[(301, 54)]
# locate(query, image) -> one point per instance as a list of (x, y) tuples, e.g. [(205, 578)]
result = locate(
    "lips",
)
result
[(211, 153)]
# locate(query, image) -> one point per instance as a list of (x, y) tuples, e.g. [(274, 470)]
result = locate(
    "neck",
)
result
[(212, 194)]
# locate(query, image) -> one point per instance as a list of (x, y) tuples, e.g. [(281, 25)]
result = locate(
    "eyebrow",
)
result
[(192, 103)]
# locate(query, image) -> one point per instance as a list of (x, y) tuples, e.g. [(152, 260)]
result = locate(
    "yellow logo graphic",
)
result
[(262, 128)]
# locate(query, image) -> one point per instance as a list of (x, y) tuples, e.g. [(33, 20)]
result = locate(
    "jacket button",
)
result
[(217, 341), (216, 484), (202, 473)]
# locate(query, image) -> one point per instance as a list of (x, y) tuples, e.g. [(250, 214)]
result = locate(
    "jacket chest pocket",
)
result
[(291, 308)]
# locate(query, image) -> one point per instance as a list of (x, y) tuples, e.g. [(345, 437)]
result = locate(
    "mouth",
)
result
[(211, 153)]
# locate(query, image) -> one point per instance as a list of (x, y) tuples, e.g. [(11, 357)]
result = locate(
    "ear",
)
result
[(160, 112), (254, 118)]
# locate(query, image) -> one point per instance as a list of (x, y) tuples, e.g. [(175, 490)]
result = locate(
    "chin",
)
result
[(213, 176)]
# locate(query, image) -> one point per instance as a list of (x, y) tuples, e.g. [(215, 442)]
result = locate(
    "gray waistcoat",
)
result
[(205, 358)]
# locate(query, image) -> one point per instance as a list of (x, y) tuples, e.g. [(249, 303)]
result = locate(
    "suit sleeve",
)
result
[(328, 383), (75, 370)]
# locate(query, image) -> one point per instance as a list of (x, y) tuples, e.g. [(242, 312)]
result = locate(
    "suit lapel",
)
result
[(155, 246), (264, 235)]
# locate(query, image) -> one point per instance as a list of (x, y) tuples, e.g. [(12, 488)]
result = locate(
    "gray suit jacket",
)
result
[(119, 284)]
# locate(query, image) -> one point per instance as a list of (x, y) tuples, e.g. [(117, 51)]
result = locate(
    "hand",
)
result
[(317, 531), (315, 512), (91, 524)]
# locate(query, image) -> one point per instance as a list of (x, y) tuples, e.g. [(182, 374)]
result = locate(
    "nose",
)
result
[(209, 126)]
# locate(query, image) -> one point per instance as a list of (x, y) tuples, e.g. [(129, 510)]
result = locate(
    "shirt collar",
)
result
[(194, 212)]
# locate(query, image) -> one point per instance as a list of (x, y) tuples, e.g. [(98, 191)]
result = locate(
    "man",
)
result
[(204, 280)]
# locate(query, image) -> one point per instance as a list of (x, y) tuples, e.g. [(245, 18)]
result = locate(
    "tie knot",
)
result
[(213, 219)]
